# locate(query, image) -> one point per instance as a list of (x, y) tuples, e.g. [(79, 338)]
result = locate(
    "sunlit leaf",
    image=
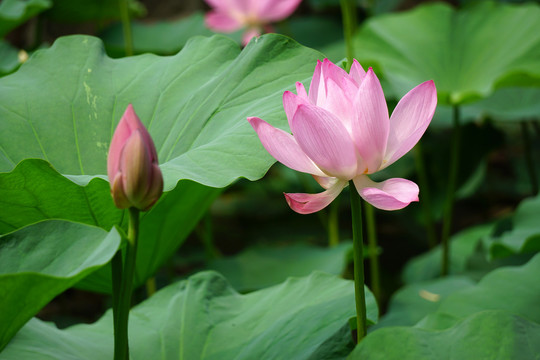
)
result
[(64, 103)]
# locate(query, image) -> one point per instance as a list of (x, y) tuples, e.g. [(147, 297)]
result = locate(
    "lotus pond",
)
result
[(270, 179)]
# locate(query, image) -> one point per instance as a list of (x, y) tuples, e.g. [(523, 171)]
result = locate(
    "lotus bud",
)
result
[(132, 165)]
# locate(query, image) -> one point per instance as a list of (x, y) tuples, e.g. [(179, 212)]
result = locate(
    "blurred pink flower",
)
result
[(132, 165), (342, 132), (255, 15)]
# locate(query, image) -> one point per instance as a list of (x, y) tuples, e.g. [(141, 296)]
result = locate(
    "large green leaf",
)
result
[(428, 266), (484, 335), (15, 12), (467, 52), (195, 110), (514, 289), (499, 315), (411, 303), (42, 260), (508, 104), (263, 266), (64, 103), (204, 318)]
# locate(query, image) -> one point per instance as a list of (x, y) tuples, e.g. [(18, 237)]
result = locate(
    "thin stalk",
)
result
[(373, 251), (37, 34), (206, 234), (358, 243), (528, 157), (536, 127), (450, 196), (121, 349), (151, 286), (426, 198), (333, 224), (370, 7), (348, 13), (126, 26)]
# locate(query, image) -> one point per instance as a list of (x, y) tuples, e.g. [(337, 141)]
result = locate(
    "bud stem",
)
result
[(123, 303)]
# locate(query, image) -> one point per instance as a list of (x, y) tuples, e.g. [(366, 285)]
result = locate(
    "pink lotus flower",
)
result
[(342, 132), (132, 165), (255, 15)]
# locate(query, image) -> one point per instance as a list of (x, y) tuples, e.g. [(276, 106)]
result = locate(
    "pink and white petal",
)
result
[(249, 34), (316, 87), (357, 72), (276, 10), (310, 203), (392, 194), (325, 182), (339, 100), (371, 124), (301, 90), (222, 22), (290, 104), (283, 147), (410, 120), (325, 140)]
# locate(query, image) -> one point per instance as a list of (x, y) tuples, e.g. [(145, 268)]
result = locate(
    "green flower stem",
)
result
[(348, 12), (121, 348), (126, 26), (333, 224), (528, 156), (373, 250), (426, 198), (358, 257), (450, 196)]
